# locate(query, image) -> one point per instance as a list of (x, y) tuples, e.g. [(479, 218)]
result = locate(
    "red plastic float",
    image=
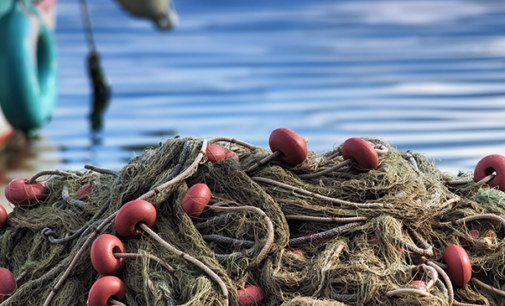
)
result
[(131, 214), (3, 217), (375, 242), (215, 153), (7, 284), (419, 284), (21, 194), (298, 252), (361, 151), (292, 146), (105, 288), (466, 244), (229, 154), (102, 255), (195, 200), (83, 192), (487, 166), (250, 296), (458, 265)]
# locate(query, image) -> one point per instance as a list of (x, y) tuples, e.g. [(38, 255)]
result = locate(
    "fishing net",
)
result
[(311, 234)]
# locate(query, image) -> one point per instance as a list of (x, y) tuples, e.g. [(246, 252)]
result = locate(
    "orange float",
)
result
[(292, 146), (3, 217), (102, 255), (105, 288), (250, 296), (7, 284), (362, 152), (195, 200), (487, 166), (21, 194), (458, 265), (131, 214), (215, 153)]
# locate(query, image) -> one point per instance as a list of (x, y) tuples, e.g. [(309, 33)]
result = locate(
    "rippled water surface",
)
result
[(428, 76)]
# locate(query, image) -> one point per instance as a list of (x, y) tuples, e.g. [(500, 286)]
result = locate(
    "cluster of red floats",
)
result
[(286, 145)]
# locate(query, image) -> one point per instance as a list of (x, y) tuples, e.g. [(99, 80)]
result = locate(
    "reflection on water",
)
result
[(424, 75), (101, 91)]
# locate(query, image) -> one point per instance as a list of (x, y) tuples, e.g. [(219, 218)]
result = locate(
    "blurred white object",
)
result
[(162, 12)]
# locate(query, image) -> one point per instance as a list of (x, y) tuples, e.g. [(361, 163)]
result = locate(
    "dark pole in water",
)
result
[(101, 88)]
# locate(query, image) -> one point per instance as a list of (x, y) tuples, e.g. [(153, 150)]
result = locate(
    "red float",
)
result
[(298, 252), (375, 242), (250, 296), (7, 284), (21, 194), (215, 153), (102, 255), (458, 265), (487, 166), (466, 244), (419, 284), (361, 151), (131, 214), (105, 288), (83, 192), (292, 146), (231, 155), (195, 200), (3, 217)]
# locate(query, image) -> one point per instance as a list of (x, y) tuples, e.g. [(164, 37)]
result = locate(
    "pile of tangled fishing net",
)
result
[(235, 226)]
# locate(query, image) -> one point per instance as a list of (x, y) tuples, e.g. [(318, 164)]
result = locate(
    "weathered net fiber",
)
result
[(355, 265)]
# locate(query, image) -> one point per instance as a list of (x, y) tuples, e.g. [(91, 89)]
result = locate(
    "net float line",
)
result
[(412, 291), (34, 177), (216, 221), (492, 217), (327, 170), (419, 240), (66, 197), (483, 181), (50, 234), (315, 195), (270, 237), (323, 235), (232, 140), (325, 219), (488, 287), (102, 170), (229, 240)]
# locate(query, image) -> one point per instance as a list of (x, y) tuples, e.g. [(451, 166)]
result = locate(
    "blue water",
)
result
[(427, 76)]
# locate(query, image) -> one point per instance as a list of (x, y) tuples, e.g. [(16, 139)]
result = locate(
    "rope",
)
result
[(87, 25)]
